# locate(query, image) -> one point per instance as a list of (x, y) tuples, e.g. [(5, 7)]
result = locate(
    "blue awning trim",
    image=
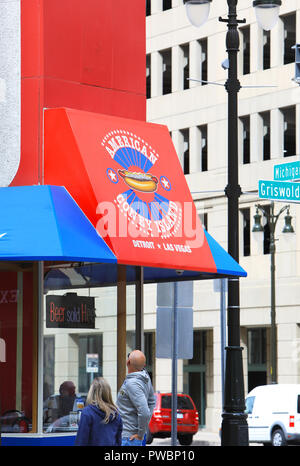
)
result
[(45, 223)]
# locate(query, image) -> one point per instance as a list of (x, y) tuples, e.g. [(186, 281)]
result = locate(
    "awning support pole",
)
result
[(121, 325), (139, 309)]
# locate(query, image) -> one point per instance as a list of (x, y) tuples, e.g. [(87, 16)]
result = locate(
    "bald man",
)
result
[(135, 400)]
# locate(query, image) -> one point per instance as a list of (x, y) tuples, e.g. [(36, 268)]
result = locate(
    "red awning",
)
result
[(126, 177)]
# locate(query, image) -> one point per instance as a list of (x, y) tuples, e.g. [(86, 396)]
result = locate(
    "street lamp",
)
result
[(234, 423), (272, 219)]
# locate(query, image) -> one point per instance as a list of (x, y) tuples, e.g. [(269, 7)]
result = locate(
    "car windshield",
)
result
[(183, 402)]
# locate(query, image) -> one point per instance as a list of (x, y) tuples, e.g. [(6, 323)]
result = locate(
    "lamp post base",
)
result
[(234, 430)]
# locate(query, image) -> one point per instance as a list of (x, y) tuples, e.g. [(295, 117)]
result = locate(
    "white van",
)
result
[(274, 414)]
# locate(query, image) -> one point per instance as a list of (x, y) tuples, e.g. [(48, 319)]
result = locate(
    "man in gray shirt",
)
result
[(135, 400)]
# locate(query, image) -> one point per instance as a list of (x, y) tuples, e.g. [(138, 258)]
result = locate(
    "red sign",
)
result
[(126, 177)]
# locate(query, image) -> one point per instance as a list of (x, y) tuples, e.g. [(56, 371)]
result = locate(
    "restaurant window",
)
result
[(74, 344), (289, 131), (90, 360), (17, 377)]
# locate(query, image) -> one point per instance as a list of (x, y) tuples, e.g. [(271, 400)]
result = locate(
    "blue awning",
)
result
[(44, 223)]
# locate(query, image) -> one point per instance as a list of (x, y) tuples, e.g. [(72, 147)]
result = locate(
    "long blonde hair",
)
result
[(100, 395)]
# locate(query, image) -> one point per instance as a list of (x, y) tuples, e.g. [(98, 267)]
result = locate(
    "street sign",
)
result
[(287, 171), (279, 190)]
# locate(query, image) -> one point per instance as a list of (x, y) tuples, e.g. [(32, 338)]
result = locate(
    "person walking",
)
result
[(100, 423), (135, 400)]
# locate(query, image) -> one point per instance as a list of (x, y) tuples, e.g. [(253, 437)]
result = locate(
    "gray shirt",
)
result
[(136, 402)]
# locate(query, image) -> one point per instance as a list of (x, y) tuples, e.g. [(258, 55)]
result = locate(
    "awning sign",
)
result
[(70, 311), (126, 176)]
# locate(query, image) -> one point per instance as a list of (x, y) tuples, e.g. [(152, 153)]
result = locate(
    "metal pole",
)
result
[(272, 222), (174, 369), (223, 332), (234, 423)]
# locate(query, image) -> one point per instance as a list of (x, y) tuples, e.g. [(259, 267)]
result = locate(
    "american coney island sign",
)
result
[(144, 198), (126, 176)]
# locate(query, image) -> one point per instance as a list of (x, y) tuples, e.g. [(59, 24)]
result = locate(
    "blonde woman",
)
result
[(100, 423)]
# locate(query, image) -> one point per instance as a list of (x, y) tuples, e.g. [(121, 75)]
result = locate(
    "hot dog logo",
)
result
[(144, 202), (143, 182)]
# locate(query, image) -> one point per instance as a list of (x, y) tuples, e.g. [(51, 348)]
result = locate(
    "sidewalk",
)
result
[(201, 438), (204, 437)]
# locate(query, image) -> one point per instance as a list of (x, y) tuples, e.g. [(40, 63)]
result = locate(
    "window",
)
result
[(249, 404), (89, 345), (203, 148), (149, 350), (246, 231), (148, 76), (245, 31), (186, 67), (289, 131), (204, 60), (246, 139), (49, 364), (266, 50), (148, 7), (167, 71), (257, 357), (289, 26), (185, 150), (204, 220), (266, 128), (166, 5)]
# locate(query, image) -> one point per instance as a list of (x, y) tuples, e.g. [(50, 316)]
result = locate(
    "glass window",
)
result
[(289, 24), (246, 138), (17, 379), (167, 71), (74, 344), (167, 5), (246, 49), (249, 404), (148, 76), (266, 128), (289, 131), (266, 50), (246, 231)]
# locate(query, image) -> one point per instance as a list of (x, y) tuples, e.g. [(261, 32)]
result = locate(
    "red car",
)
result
[(187, 418)]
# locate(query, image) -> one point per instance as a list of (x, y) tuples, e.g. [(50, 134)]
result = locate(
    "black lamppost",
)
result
[(234, 423), (272, 219)]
